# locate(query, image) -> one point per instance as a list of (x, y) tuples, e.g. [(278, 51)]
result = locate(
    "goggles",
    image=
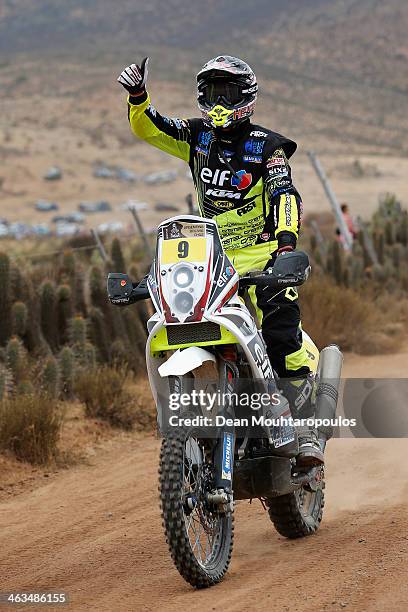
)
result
[(221, 92)]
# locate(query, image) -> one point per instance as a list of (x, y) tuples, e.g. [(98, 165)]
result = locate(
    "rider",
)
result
[(243, 180)]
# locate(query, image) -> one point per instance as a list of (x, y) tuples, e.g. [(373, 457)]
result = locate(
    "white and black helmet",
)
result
[(226, 91)]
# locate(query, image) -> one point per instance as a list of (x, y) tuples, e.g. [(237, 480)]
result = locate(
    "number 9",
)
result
[(183, 249)]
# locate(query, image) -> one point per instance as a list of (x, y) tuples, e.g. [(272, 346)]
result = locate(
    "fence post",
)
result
[(331, 196), (141, 231), (99, 244)]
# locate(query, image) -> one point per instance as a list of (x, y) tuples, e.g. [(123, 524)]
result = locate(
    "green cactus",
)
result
[(19, 315), (99, 334), (16, 359), (118, 261), (5, 299), (50, 377), (389, 233), (49, 320), (84, 351), (68, 264), (337, 262), (64, 312), (67, 371), (88, 357), (78, 329), (97, 287), (381, 249), (6, 382), (79, 298)]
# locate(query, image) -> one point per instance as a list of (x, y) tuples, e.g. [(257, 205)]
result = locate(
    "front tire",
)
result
[(190, 525), (297, 514)]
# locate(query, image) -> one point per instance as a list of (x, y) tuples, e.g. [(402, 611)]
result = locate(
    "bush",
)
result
[(102, 391), (30, 427), (347, 317)]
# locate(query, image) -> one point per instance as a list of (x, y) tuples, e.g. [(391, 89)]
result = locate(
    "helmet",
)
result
[(226, 91)]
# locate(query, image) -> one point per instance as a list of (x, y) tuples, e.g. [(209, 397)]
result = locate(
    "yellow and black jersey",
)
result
[(244, 182)]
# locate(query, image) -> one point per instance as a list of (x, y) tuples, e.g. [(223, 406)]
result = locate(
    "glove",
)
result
[(133, 78)]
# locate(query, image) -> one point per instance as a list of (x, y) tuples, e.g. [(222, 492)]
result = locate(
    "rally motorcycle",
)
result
[(203, 336)]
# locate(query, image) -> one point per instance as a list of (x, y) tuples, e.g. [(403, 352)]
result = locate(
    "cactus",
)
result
[(16, 359), (50, 377), (337, 262), (78, 331), (64, 311), (84, 351), (68, 264), (19, 315), (6, 382), (118, 260), (99, 334), (389, 233), (79, 293), (67, 370), (49, 321), (97, 287), (5, 299), (381, 249)]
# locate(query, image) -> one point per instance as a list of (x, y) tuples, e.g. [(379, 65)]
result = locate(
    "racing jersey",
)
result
[(242, 179)]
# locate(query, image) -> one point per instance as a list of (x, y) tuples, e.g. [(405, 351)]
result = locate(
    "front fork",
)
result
[(224, 449), (223, 454)]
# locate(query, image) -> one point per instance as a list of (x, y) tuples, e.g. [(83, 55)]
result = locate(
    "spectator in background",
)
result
[(349, 222)]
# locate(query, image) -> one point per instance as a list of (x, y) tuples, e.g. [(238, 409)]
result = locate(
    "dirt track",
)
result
[(95, 533)]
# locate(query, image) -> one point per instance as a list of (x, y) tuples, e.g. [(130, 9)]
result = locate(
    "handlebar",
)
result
[(290, 270)]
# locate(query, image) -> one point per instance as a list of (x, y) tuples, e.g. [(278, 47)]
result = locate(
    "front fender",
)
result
[(183, 361)]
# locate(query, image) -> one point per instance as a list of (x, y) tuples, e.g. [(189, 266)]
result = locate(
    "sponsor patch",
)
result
[(226, 472), (183, 230), (227, 204), (259, 134), (245, 209), (254, 147), (273, 162), (253, 159), (222, 193), (242, 180)]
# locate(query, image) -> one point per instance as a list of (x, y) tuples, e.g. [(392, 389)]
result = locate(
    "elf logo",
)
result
[(219, 178)]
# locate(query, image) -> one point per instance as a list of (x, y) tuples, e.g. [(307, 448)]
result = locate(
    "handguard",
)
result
[(122, 292)]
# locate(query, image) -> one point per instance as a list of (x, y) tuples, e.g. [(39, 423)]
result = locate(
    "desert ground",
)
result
[(95, 533)]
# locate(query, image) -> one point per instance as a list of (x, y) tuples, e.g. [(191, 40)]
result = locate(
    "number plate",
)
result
[(183, 249)]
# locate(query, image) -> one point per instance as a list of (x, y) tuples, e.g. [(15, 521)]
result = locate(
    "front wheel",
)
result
[(200, 539), (298, 514)]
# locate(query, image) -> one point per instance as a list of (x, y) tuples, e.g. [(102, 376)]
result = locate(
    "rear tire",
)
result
[(176, 519), (297, 514)]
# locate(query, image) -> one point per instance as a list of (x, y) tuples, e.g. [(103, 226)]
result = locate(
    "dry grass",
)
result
[(104, 393), (351, 319), (30, 427)]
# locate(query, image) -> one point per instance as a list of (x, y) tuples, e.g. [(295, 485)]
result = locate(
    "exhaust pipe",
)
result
[(329, 373)]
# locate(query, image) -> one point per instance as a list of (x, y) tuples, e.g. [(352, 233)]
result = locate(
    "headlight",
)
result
[(183, 277), (183, 302)]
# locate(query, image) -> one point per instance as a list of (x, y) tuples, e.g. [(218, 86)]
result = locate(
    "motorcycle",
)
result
[(203, 337)]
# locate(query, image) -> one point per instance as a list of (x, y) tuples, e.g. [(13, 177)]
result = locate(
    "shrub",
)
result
[(333, 314), (103, 393), (30, 427)]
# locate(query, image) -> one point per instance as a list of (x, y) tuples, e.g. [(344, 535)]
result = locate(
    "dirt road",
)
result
[(95, 533)]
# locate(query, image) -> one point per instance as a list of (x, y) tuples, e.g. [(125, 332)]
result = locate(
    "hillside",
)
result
[(334, 68)]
